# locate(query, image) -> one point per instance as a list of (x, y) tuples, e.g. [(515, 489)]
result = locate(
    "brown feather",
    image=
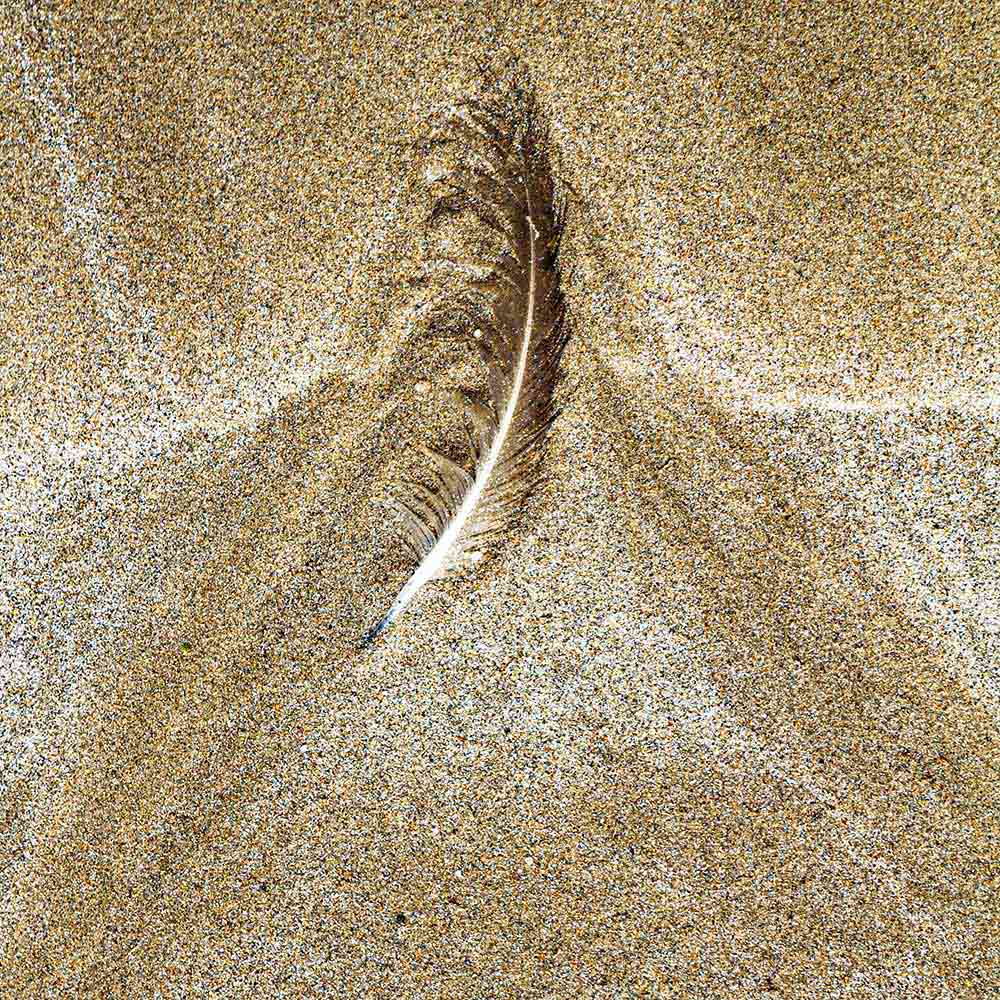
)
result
[(520, 313)]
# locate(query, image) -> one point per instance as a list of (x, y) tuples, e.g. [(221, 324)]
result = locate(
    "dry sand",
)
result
[(720, 721)]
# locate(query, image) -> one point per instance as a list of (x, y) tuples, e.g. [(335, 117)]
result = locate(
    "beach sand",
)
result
[(718, 719)]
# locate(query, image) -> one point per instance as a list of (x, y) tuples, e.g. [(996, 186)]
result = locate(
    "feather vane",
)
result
[(519, 313)]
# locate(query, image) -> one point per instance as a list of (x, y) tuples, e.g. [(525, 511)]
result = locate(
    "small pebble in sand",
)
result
[(434, 171), (422, 388)]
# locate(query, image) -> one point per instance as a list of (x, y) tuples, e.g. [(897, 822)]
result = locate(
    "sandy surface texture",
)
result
[(720, 719)]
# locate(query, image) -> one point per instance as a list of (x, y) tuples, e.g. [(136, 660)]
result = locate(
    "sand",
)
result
[(719, 719)]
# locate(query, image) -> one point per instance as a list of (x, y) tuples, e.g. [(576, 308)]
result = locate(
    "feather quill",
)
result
[(519, 314)]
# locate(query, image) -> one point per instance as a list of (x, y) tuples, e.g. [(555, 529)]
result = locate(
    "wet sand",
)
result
[(719, 719)]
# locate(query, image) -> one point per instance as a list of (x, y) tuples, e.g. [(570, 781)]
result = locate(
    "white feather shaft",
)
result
[(436, 558)]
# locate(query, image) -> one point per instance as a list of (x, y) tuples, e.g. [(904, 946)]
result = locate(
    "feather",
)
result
[(519, 316)]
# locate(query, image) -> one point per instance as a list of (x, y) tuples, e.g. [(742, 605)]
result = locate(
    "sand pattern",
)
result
[(720, 720)]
